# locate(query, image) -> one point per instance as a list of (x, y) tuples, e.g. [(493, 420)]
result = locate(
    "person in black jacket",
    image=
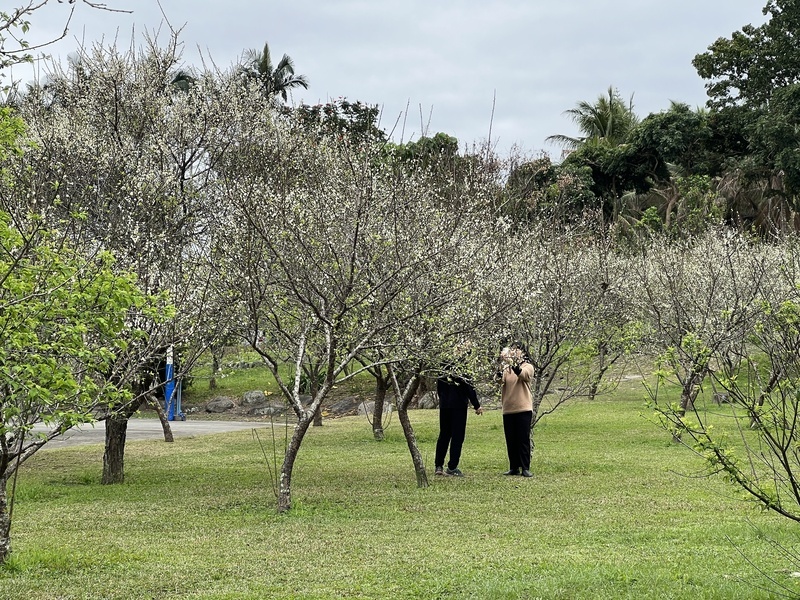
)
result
[(455, 394)]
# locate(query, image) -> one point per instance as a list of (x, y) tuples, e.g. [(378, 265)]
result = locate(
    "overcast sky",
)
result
[(447, 60)]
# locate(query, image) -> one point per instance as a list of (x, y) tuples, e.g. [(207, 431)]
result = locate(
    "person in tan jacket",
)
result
[(517, 406)]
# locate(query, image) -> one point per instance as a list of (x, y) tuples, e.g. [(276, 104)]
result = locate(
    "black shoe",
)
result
[(454, 472), (439, 471), (526, 473), (512, 472)]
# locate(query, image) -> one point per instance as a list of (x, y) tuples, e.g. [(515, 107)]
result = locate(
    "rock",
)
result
[(428, 400), (368, 408), (271, 410), (220, 404), (253, 398), (349, 405)]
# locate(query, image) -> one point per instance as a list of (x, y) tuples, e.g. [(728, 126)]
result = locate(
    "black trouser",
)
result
[(452, 429), (517, 427)]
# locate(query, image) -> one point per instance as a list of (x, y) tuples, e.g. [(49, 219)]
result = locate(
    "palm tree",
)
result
[(276, 80), (607, 122)]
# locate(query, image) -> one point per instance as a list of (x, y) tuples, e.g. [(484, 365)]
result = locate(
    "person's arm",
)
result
[(525, 371), (473, 398)]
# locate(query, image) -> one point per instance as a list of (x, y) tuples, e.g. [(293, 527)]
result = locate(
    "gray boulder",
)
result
[(253, 398), (273, 409), (220, 404), (344, 406), (368, 408), (428, 400)]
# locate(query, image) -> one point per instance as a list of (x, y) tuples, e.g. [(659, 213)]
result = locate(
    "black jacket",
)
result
[(455, 392)]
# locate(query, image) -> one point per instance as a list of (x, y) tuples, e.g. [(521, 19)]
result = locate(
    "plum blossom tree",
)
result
[(761, 393), (15, 25), (701, 300), (562, 292), (748, 429), (68, 323), (332, 248), (115, 141)]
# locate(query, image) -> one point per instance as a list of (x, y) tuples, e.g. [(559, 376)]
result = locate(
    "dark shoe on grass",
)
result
[(439, 471), (512, 472), (526, 473), (454, 472)]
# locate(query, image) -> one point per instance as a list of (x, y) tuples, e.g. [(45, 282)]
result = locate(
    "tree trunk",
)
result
[(537, 396), (689, 392), (162, 416), (217, 352), (411, 440), (5, 523), (285, 483), (601, 370), (114, 455), (403, 399), (688, 396), (595, 385), (381, 387), (212, 383), (313, 378), (768, 389)]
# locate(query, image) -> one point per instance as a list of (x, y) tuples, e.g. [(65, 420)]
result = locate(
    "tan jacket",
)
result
[(516, 393)]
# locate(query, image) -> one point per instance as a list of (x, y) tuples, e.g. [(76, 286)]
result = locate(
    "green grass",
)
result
[(237, 381), (230, 381), (611, 512)]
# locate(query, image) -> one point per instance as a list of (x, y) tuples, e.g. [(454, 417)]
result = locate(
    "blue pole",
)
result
[(169, 386), (181, 414)]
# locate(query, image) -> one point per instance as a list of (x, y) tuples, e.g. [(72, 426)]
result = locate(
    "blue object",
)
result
[(181, 414), (169, 386)]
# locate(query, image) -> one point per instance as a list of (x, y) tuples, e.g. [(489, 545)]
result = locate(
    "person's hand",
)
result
[(517, 370), (479, 410), (505, 353), (512, 358)]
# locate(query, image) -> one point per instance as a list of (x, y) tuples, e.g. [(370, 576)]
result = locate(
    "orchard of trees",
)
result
[(144, 204)]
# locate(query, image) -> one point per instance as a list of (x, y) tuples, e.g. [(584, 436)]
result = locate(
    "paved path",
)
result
[(148, 429)]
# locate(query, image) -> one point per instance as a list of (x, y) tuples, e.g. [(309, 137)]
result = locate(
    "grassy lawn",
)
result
[(237, 381), (611, 512), (230, 381)]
